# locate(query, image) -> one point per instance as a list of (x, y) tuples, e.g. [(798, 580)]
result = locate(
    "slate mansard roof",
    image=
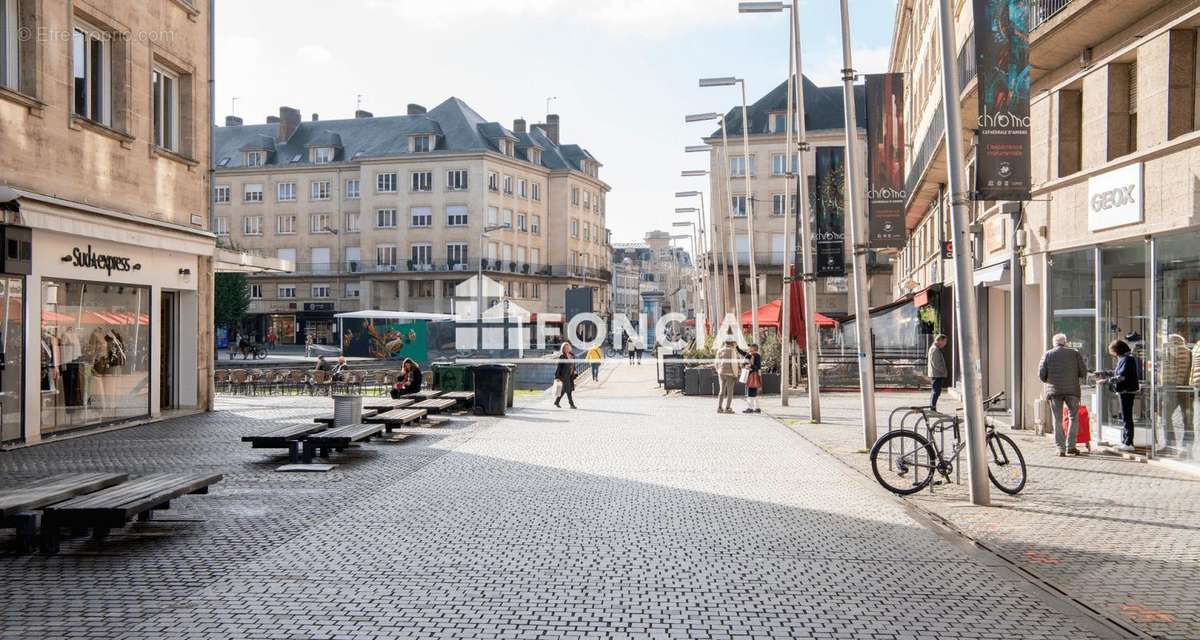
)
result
[(823, 109), (459, 129)]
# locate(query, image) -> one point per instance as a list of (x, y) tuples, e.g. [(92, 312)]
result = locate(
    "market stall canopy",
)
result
[(769, 316)]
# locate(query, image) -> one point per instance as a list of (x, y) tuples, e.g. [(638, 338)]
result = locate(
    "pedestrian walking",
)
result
[(271, 338), (936, 369), (233, 342), (726, 365), (1063, 371), (308, 345), (752, 378), (630, 348), (564, 376), (1123, 381), (639, 348), (594, 357)]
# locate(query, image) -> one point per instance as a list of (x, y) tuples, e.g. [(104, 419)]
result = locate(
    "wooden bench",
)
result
[(115, 506), (464, 398), (17, 503), (436, 405), (366, 413), (338, 438), (288, 437), (387, 404), (424, 395), (400, 417)]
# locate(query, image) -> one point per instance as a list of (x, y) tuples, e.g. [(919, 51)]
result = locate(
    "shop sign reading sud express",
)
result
[(85, 258), (1115, 198)]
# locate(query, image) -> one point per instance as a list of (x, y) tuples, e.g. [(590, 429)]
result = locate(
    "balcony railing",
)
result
[(466, 267), (924, 152), (1043, 10)]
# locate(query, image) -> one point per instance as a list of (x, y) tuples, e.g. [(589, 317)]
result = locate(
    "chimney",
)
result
[(233, 121), (363, 114), (272, 119), (316, 117), (519, 125), (552, 127), (289, 121), (415, 109)]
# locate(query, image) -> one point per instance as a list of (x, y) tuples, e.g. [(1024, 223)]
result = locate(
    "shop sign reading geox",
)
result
[(1115, 198), (88, 259)]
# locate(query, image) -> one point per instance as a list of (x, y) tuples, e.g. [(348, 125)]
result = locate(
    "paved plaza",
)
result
[(637, 515)]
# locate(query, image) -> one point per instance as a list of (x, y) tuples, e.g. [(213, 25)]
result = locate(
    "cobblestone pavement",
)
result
[(1119, 536), (637, 515)]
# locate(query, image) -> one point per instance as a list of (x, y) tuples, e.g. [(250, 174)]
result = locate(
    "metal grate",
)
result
[(1043, 10)]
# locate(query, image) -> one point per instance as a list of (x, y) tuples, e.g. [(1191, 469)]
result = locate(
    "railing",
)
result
[(967, 63), (466, 267), (894, 367), (1043, 10), (924, 152)]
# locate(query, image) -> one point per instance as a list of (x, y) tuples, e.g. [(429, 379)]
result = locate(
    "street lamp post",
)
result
[(732, 257), (479, 276), (796, 72), (697, 275), (710, 265)]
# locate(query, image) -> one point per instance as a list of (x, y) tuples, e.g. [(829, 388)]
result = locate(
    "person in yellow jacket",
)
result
[(594, 357)]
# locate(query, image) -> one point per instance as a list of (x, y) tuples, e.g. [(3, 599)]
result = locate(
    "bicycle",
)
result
[(904, 461)]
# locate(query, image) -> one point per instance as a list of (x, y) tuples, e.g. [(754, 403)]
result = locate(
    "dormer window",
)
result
[(322, 155), (778, 122), (535, 156), (256, 158), (422, 144)]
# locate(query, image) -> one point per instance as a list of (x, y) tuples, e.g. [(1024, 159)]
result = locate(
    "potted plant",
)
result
[(771, 349), (700, 379)]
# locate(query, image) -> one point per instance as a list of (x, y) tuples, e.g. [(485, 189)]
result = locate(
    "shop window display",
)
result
[(11, 357), (95, 353), (1177, 343)]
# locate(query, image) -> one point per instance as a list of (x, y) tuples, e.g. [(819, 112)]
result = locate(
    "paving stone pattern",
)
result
[(634, 516), (1121, 536)]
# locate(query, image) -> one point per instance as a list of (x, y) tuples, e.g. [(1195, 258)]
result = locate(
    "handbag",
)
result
[(744, 376), (558, 387), (754, 381)]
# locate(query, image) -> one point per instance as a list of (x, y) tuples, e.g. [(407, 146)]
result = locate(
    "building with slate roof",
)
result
[(387, 213), (771, 192)]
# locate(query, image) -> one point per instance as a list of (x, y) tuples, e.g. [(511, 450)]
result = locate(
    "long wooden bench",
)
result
[(436, 405), (400, 417), (387, 404), (464, 398), (288, 437), (328, 421), (17, 504), (424, 394), (338, 438), (113, 507)]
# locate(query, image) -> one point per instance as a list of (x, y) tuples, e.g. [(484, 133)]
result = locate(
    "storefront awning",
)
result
[(990, 276)]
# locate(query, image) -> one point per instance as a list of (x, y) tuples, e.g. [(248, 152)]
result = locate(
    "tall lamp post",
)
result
[(709, 264), (716, 280), (479, 274), (728, 82), (697, 274), (796, 74), (736, 293)]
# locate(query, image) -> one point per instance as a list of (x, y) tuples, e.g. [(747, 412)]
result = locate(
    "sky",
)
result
[(623, 72)]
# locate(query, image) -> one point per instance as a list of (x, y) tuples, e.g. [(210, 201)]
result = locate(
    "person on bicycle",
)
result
[(936, 369), (1063, 371)]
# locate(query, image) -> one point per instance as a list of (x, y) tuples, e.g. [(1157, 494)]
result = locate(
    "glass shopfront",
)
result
[(95, 353), (12, 360), (1176, 342)]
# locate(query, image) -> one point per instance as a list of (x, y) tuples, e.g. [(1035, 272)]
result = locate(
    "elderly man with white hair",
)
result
[(1063, 371)]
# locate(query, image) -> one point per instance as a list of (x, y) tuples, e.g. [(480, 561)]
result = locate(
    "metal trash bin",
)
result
[(347, 410), (492, 385)]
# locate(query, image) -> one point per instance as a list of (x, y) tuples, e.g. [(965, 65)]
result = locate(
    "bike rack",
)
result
[(936, 425)]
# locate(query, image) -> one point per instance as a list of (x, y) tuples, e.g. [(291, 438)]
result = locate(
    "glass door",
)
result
[(1125, 315), (12, 360), (1177, 344)]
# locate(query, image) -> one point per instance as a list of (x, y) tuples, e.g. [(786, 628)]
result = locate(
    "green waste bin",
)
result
[(448, 376)]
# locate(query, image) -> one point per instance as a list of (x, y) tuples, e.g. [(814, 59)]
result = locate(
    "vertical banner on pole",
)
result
[(829, 203), (1002, 55), (885, 160)]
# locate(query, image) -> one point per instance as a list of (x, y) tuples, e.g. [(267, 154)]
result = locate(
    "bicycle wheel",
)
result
[(1006, 465), (903, 462)]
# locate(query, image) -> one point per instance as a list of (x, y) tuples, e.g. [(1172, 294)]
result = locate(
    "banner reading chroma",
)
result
[(829, 205), (885, 159), (1002, 56)]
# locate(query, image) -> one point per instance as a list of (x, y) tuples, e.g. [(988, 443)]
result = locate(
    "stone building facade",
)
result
[(107, 271)]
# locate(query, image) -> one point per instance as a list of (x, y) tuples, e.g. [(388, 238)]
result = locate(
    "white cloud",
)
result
[(314, 54), (651, 17), (825, 69)]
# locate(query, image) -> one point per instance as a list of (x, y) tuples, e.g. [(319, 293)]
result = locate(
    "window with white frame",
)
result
[(285, 192), (221, 225), (535, 156), (493, 216), (587, 231), (285, 225), (353, 189), (91, 60), (575, 196), (506, 254), (421, 181), (535, 291), (322, 155), (256, 291), (353, 290), (574, 228), (10, 37), (535, 256), (778, 122), (737, 165), (523, 188), (321, 223), (252, 225), (421, 254), (420, 288), (779, 204), (778, 164), (456, 215), (252, 192), (221, 194), (353, 259), (456, 253), (507, 219), (535, 224), (385, 183), (493, 181), (456, 180), (739, 206), (385, 255), (536, 191), (256, 158), (318, 190), (287, 291), (164, 86), (422, 144), (385, 218), (421, 217), (508, 185), (522, 222), (320, 291), (587, 199), (352, 223)]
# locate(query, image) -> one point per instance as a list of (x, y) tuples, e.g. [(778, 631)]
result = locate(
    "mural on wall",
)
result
[(367, 338)]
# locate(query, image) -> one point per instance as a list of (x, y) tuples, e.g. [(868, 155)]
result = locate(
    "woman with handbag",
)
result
[(564, 376), (1124, 382), (751, 376)]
